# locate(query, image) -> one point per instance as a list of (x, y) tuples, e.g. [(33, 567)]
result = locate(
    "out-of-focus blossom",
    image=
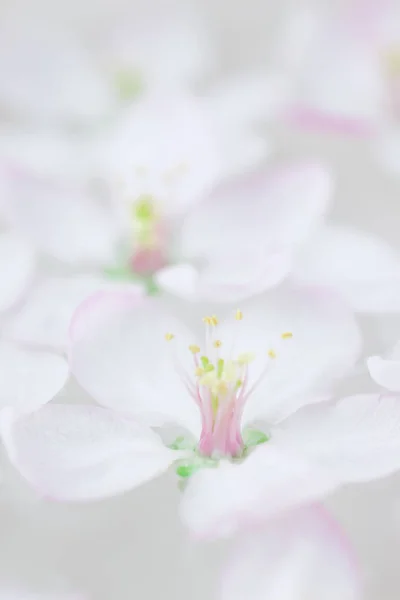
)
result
[(168, 153), (345, 78), (230, 389), (29, 379), (54, 75), (19, 593), (302, 556), (258, 231), (386, 371)]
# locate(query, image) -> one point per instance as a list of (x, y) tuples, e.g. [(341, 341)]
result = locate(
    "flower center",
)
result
[(221, 384)]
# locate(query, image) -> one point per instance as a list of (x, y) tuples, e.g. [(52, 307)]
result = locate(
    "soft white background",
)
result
[(133, 546)]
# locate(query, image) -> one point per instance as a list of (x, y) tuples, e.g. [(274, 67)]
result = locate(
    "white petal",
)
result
[(218, 502), (180, 280), (259, 213), (325, 345), (66, 223), (387, 150), (46, 316), (361, 267), (17, 264), (302, 556), (29, 379), (385, 372), (358, 439), (119, 355), (77, 453)]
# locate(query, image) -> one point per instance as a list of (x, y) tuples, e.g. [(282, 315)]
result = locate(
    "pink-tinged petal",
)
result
[(65, 223), (180, 280), (362, 268), (302, 556), (78, 453), (120, 356), (313, 119), (325, 345), (235, 279), (17, 266), (45, 318), (29, 379), (356, 439), (222, 501), (261, 213), (179, 159), (226, 280), (385, 372)]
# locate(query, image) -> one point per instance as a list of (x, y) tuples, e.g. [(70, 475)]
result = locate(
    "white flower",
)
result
[(231, 393), (302, 556)]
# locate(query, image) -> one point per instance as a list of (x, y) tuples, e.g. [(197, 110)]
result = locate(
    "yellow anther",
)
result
[(213, 321), (194, 349), (169, 336), (272, 353), (199, 371), (217, 344), (238, 315), (287, 335), (246, 358)]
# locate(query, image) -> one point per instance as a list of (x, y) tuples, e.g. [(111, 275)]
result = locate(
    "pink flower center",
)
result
[(221, 385), (150, 237)]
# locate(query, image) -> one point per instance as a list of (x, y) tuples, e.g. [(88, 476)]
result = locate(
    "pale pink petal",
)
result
[(362, 268), (325, 345), (29, 379), (226, 280), (65, 223), (77, 453), (17, 266), (180, 280), (257, 214), (119, 355), (302, 556), (357, 439), (221, 501), (46, 315), (385, 372), (179, 158)]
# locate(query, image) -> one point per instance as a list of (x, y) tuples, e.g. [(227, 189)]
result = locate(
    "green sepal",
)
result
[(187, 470), (254, 437), (182, 443), (120, 273)]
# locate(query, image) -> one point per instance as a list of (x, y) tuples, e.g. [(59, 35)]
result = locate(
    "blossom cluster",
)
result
[(156, 254)]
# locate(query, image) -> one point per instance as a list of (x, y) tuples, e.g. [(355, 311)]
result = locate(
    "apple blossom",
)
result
[(184, 152), (231, 392), (347, 79), (301, 556)]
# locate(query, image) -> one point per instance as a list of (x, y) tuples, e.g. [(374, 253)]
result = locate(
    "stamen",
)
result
[(194, 349), (245, 358), (217, 344), (272, 353), (169, 337), (213, 321), (287, 335), (238, 315), (220, 367)]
